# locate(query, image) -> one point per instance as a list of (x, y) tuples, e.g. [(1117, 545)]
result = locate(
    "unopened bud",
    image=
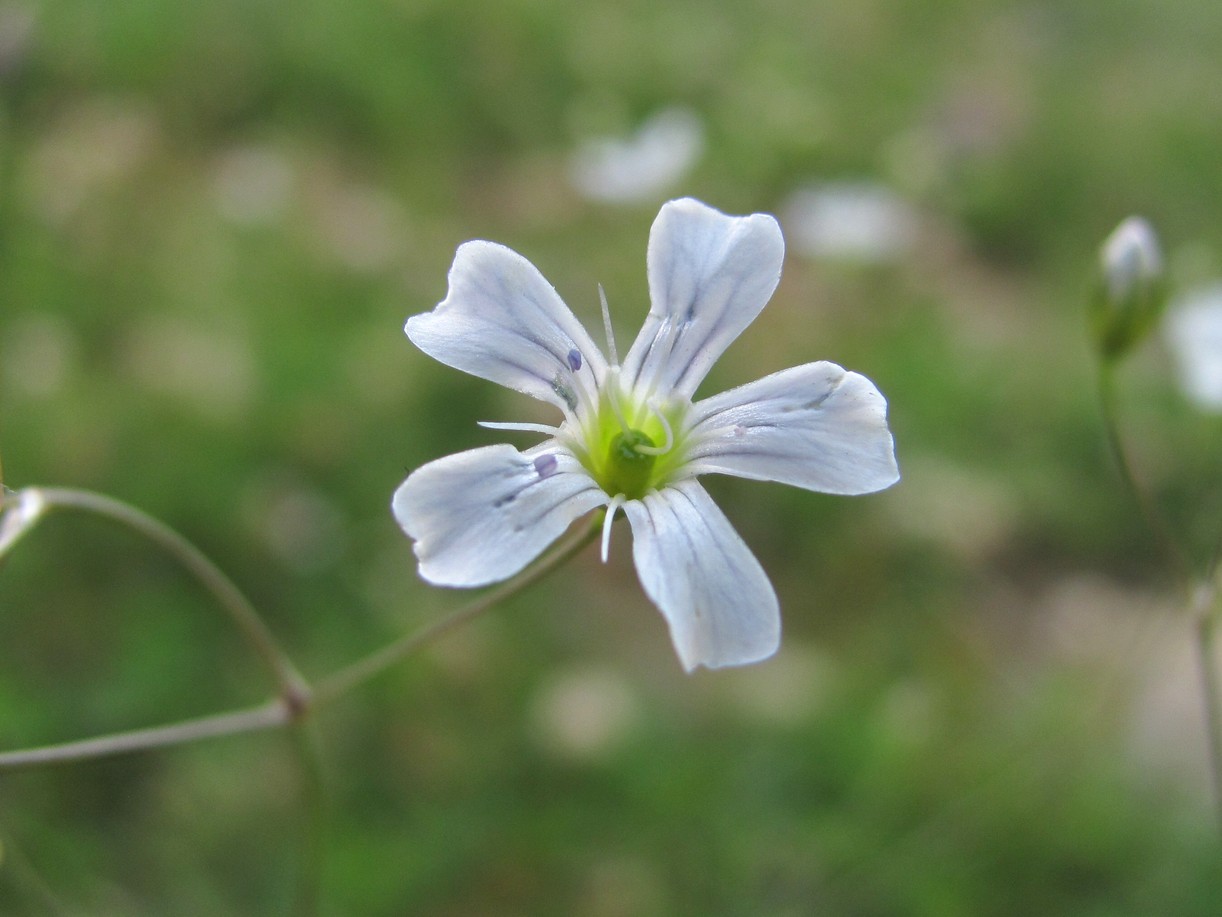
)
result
[(1132, 294)]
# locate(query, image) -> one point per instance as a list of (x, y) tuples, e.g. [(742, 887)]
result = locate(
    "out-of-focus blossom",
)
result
[(1193, 329), (1131, 294), (253, 184), (37, 354), (213, 370), (584, 714), (300, 524), (17, 23), (642, 167), (861, 222), (92, 147), (362, 226)]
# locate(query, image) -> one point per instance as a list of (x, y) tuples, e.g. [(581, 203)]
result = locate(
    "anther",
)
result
[(545, 465)]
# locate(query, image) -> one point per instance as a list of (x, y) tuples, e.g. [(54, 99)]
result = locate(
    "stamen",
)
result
[(670, 435), (616, 502), (602, 297), (521, 427), (546, 465), (613, 398)]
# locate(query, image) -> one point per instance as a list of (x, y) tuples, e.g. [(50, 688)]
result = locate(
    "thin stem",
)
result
[(240, 609), (376, 663), (316, 802), (1205, 613), (1154, 519), (292, 708), (270, 715), (1202, 594)]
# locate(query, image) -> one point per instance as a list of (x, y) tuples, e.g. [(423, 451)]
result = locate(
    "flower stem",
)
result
[(376, 663), (316, 817), (290, 707), (291, 684), (1202, 593), (1155, 521), (1205, 613), (274, 713)]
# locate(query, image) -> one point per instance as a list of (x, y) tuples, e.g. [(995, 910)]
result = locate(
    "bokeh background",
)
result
[(214, 218)]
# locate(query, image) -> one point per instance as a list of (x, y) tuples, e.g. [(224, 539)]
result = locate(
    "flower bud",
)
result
[(1131, 295)]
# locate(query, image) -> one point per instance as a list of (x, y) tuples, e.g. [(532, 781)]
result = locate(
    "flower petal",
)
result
[(815, 426), (502, 321), (478, 517), (708, 585), (709, 277)]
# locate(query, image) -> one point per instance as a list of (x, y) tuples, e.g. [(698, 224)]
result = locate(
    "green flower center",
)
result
[(628, 471), (630, 447)]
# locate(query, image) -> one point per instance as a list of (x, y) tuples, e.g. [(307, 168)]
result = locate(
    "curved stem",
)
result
[(1205, 615), (278, 712), (1201, 592), (376, 663), (292, 708), (291, 684), (1154, 519)]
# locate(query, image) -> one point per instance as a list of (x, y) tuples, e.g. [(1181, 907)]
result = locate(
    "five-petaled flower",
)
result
[(631, 437)]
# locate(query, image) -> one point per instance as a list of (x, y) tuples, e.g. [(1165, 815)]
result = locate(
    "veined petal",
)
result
[(815, 426), (478, 517), (708, 585), (709, 277), (502, 321)]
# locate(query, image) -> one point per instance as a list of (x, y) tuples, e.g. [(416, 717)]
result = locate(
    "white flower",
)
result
[(631, 436), (860, 222), (640, 167), (1194, 331)]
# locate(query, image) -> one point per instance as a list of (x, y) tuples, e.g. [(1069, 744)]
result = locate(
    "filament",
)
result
[(616, 502), (670, 435), (521, 427), (602, 298)]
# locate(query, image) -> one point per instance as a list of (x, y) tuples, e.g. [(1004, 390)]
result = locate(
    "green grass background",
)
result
[(984, 703)]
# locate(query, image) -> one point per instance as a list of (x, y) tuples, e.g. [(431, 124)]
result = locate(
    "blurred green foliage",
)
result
[(214, 218)]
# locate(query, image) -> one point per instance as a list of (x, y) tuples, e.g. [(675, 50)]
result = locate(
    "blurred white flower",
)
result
[(1193, 327), (253, 184), (211, 369), (850, 221), (37, 354), (641, 167), (91, 147), (303, 527), (631, 436), (584, 714)]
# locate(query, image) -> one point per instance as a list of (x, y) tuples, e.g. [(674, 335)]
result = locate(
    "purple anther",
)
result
[(574, 359), (545, 465)]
